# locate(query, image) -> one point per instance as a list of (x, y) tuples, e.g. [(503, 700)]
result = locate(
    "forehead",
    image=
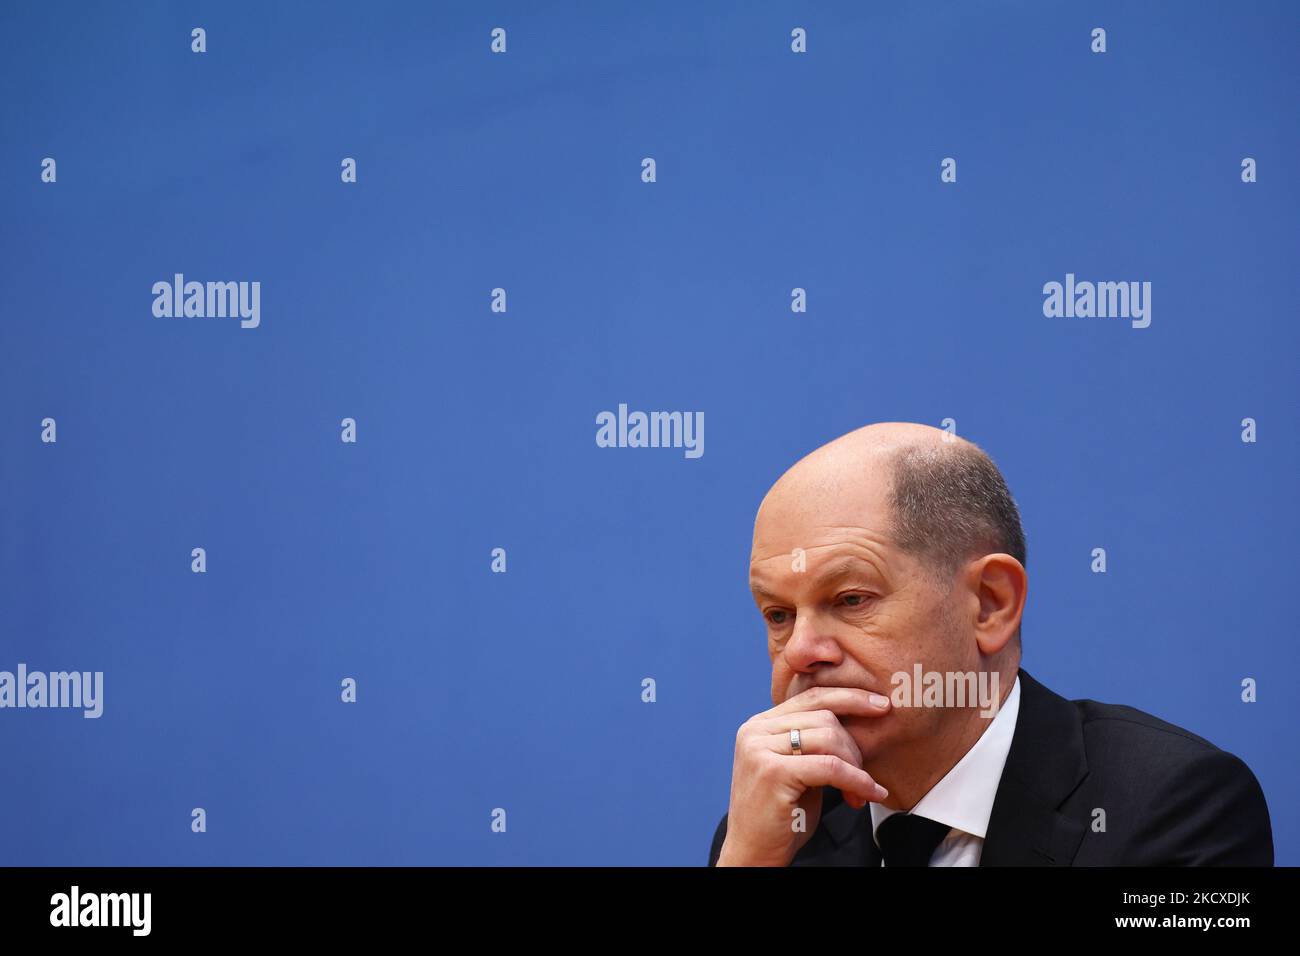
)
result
[(807, 510), (837, 523), (831, 553)]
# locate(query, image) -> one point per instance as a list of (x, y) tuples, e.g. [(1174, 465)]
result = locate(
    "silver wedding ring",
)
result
[(794, 743)]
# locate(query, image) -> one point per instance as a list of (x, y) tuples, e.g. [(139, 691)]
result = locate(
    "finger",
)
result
[(797, 720), (816, 740), (838, 700), (828, 770), (807, 722)]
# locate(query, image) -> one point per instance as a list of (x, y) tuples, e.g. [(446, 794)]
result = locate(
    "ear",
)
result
[(1001, 584)]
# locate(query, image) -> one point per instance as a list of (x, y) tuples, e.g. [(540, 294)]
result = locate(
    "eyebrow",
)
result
[(845, 568)]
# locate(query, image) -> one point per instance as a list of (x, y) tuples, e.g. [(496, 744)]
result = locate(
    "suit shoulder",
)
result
[(1173, 797), (1147, 750), (1115, 724)]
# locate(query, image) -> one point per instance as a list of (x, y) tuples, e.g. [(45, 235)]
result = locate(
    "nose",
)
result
[(811, 643)]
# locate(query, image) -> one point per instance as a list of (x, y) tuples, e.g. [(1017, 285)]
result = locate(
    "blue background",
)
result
[(476, 429)]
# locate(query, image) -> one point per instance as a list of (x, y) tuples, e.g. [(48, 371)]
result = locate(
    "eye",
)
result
[(777, 616), (855, 599)]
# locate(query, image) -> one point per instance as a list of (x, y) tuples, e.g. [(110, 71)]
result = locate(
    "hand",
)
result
[(768, 781)]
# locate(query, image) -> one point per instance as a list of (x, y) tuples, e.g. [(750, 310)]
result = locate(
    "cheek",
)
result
[(781, 677), (878, 656), (893, 643), (879, 633)]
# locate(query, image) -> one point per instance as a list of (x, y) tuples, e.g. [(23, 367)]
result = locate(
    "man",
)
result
[(889, 567)]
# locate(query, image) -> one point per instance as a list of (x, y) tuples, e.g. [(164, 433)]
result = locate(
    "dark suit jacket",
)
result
[(1171, 798)]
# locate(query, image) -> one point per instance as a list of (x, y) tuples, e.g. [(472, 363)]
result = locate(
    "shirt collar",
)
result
[(963, 799)]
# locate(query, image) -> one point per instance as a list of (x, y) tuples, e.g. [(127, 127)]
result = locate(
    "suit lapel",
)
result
[(1044, 766)]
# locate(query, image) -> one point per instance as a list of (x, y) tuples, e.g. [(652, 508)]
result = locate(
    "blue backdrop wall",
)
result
[(664, 287)]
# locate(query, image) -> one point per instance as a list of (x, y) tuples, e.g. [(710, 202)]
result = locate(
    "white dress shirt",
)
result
[(963, 799)]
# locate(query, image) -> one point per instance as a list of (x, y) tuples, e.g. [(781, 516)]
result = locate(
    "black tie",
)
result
[(909, 840)]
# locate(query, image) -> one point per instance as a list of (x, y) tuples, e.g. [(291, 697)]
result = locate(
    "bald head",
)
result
[(932, 494)]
